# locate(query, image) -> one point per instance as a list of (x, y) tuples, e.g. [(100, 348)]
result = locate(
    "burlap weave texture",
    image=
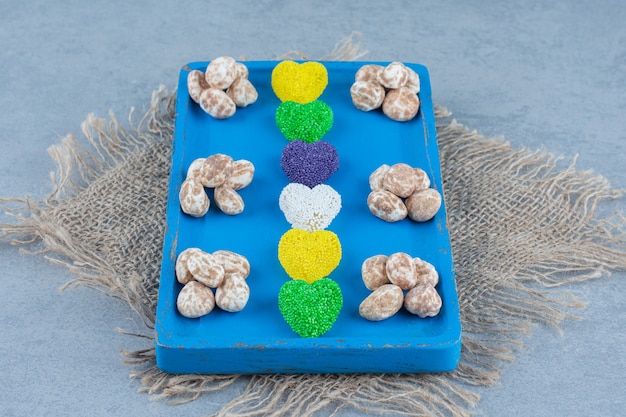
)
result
[(519, 223)]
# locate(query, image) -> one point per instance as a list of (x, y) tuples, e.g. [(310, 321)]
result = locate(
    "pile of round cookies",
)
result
[(220, 172), (388, 277), (222, 88), (399, 191), (394, 87), (201, 273)]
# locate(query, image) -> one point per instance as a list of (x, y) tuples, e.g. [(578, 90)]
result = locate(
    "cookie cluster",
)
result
[(221, 173), (394, 88), (211, 279), (219, 278), (388, 277), (310, 302), (399, 191), (222, 87)]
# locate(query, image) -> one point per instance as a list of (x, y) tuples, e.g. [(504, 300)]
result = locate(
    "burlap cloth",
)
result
[(520, 223)]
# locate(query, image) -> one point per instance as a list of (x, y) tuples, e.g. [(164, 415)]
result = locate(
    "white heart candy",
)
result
[(307, 208)]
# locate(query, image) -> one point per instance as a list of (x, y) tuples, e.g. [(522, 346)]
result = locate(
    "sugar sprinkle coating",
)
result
[(308, 122), (310, 309), (309, 163), (309, 256), (310, 303), (301, 83), (307, 208)]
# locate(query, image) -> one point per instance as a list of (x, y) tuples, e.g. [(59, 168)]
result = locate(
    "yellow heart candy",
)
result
[(309, 256), (301, 83)]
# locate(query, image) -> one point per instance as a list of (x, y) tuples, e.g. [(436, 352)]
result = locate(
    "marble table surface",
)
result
[(547, 75)]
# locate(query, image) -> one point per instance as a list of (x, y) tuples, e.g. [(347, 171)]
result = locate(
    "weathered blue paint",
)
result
[(257, 340)]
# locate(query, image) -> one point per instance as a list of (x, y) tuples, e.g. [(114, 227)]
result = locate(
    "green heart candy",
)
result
[(308, 122), (310, 309)]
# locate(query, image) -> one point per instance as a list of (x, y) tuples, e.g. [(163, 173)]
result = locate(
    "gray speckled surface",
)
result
[(545, 74)]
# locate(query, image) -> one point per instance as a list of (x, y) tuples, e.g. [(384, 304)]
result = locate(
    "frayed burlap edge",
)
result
[(503, 284), (63, 222)]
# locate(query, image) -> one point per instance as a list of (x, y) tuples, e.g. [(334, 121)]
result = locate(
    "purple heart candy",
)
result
[(309, 163)]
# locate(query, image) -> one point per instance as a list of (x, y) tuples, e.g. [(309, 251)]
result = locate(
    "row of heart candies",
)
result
[(310, 302)]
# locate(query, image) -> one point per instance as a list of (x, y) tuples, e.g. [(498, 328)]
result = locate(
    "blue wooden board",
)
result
[(257, 339)]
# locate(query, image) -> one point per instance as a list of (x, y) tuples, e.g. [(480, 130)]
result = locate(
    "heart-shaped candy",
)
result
[(309, 163), (301, 83), (307, 208), (309, 256), (309, 122), (310, 309)]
